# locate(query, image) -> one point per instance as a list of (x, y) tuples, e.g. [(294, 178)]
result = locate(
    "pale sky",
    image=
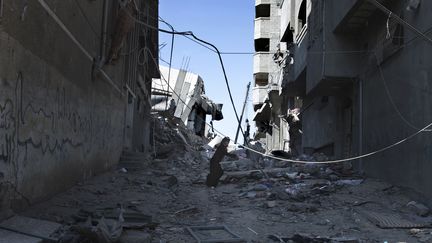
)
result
[(228, 24)]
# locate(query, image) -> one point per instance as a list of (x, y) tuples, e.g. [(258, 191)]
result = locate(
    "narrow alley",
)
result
[(269, 201)]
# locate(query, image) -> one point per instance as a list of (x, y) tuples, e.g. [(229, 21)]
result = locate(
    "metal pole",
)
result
[(241, 116)]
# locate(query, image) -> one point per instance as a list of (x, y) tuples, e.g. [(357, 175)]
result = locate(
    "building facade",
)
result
[(360, 80), (266, 73), (74, 91)]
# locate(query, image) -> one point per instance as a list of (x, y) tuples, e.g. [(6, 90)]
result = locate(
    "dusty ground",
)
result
[(307, 200)]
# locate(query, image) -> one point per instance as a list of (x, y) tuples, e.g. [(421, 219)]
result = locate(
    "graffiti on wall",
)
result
[(50, 123)]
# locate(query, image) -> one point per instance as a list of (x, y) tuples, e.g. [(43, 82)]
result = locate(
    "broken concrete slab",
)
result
[(32, 227), (134, 236), (7, 236), (418, 208), (214, 234), (240, 164)]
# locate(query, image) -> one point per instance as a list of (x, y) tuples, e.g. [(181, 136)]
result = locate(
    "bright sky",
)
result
[(228, 24)]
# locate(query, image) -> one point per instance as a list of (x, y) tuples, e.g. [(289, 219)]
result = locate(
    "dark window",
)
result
[(261, 79), (262, 44), (262, 10), (302, 14), (288, 35)]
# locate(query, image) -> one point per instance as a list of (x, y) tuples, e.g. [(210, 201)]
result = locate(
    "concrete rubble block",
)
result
[(135, 236), (241, 164), (260, 187), (270, 204), (302, 207), (32, 227), (170, 181), (418, 208), (7, 236), (353, 182)]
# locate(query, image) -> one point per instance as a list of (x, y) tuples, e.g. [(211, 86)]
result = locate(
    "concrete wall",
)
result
[(406, 82), (395, 103), (58, 126), (332, 55)]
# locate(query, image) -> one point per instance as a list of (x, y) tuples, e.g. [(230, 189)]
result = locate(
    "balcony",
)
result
[(259, 95), (353, 15), (262, 27), (262, 62)]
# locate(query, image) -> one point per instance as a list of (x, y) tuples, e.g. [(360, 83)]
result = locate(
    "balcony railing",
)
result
[(301, 35)]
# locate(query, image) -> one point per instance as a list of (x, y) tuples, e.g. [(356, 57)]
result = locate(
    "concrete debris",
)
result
[(34, 228), (323, 202), (214, 234), (7, 236), (106, 231), (354, 182), (302, 238), (170, 180), (418, 208), (133, 236)]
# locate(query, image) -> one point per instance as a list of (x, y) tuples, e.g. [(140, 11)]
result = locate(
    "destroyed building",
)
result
[(183, 95), (357, 71), (74, 92)]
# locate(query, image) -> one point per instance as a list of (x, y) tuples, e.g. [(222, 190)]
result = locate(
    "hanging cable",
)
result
[(190, 33), (391, 98), (383, 149), (171, 55)]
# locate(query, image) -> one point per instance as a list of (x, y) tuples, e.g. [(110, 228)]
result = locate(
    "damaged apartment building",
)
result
[(357, 72), (75, 81), (182, 94)]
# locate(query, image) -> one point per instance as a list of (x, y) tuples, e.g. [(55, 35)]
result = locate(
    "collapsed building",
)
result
[(183, 95), (358, 75), (74, 91)]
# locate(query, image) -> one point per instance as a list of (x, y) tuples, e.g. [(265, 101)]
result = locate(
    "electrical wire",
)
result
[(267, 155), (86, 18), (190, 33), (171, 55), (381, 150), (391, 98)]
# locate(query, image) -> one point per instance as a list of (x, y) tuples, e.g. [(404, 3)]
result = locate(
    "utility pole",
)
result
[(241, 116)]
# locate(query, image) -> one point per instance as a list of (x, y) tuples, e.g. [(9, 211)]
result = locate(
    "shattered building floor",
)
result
[(158, 199)]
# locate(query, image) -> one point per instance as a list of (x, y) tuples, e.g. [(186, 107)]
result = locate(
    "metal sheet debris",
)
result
[(214, 234), (387, 221)]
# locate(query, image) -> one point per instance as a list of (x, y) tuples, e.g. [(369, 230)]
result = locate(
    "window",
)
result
[(262, 10), (261, 79), (262, 44)]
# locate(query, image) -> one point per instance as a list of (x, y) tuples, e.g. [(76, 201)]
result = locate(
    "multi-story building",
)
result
[(184, 96), (362, 76), (266, 72), (75, 83)]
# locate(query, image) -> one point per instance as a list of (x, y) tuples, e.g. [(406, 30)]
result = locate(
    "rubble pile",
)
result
[(256, 199)]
